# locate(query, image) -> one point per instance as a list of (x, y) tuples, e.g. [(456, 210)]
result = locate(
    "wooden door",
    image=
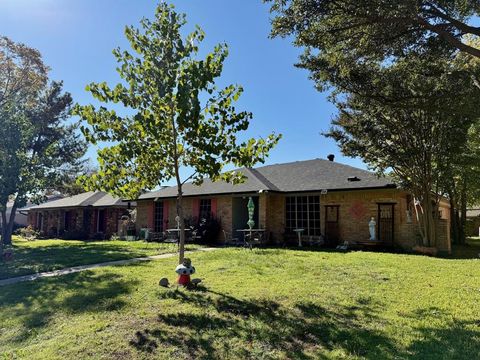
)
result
[(332, 233), (385, 223)]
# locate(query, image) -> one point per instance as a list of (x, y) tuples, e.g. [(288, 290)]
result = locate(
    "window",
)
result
[(101, 221), (158, 216), (303, 212), (205, 208)]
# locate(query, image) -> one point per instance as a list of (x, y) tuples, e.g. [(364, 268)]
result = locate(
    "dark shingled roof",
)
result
[(91, 198), (299, 176)]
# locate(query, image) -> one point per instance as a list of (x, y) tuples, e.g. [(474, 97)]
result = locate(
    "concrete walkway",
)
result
[(75, 269)]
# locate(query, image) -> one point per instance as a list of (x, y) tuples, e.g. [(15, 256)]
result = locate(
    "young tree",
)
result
[(411, 118), (37, 147), (178, 116)]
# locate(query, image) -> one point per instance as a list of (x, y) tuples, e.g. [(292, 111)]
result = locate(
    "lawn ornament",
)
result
[(163, 282), (371, 227), (184, 270)]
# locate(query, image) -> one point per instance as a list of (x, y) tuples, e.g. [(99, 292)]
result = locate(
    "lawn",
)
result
[(46, 255), (260, 304)]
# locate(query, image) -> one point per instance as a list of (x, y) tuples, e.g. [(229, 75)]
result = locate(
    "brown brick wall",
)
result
[(54, 221), (355, 210)]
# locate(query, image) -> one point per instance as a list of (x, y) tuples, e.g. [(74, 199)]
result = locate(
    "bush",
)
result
[(28, 233)]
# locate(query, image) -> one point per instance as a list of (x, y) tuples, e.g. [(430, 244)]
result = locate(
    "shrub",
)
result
[(28, 233)]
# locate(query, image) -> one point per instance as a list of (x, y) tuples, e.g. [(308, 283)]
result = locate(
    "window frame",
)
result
[(204, 208), (303, 212), (158, 212)]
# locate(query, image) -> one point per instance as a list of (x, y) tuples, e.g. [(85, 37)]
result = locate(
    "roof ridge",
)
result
[(92, 198), (263, 180)]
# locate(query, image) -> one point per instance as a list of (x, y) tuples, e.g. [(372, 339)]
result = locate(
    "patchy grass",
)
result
[(260, 304), (471, 250), (47, 255)]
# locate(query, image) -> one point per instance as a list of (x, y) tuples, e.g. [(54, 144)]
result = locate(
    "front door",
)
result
[(385, 223), (332, 233)]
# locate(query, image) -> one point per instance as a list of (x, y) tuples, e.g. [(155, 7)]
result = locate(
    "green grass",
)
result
[(47, 255), (261, 304)]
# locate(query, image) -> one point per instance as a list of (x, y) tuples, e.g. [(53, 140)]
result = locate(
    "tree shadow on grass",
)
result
[(459, 339), (35, 303), (222, 326)]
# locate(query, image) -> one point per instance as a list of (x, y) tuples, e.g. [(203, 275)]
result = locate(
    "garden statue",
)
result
[(185, 269), (371, 227)]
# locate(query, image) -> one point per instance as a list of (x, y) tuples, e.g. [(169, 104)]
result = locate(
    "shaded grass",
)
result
[(261, 304), (471, 250), (47, 255)]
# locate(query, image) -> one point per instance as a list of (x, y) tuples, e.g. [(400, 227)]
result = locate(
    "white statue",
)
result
[(371, 227)]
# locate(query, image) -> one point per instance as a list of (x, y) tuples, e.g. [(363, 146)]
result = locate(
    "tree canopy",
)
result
[(377, 28), (179, 118)]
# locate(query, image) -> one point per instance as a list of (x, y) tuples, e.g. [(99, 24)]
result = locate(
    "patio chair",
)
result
[(257, 238)]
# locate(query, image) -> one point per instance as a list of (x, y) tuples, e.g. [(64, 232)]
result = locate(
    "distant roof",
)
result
[(473, 212), (91, 198), (299, 176)]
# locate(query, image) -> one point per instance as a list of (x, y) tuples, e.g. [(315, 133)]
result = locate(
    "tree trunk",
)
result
[(454, 229), (463, 215), (181, 244), (7, 225), (427, 220), (3, 221)]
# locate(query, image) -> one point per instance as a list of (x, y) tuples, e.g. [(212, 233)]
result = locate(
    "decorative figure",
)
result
[(185, 269), (371, 227), (164, 282)]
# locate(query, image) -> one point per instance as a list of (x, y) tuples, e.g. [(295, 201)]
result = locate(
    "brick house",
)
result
[(332, 202), (87, 215)]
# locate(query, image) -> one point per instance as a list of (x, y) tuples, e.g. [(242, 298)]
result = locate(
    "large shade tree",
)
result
[(349, 45), (412, 119), (377, 28), (38, 144), (177, 117)]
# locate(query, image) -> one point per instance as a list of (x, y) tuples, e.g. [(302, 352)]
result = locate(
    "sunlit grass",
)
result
[(260, 304), (32, 256)]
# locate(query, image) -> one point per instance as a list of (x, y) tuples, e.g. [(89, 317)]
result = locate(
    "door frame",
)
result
[(337, 207), (379, 205)]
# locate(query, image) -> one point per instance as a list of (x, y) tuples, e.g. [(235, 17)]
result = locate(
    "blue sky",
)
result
[(76, 38)]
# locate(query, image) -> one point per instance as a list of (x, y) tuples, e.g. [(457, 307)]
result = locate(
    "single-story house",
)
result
[(331, 202), (93, 214)]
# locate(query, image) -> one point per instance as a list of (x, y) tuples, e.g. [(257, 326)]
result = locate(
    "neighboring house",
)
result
[(88, 215), (473, 222), (21, 216), (332, 202)]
